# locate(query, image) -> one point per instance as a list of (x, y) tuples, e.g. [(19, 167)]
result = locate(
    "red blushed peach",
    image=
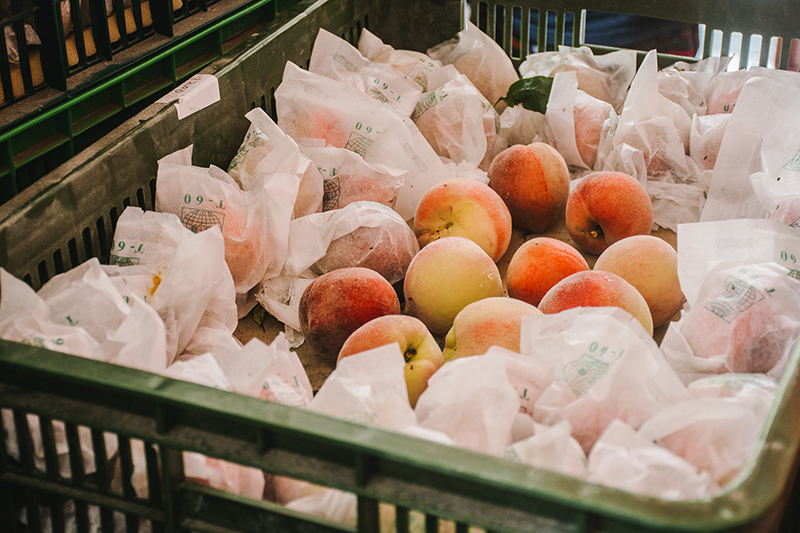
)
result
[(446, 276), (336, 304), (533, 181), (651, 265), (489, 322), (422, 354), (605, 207), (538, 264), (463, 207), (595, 288)]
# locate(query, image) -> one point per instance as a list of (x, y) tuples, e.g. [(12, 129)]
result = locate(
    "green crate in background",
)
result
[(762, 33), (47, 128), (67, 216)]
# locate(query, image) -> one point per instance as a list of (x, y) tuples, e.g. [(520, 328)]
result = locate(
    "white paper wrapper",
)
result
[(285, 379), (254, 223), (368, 388), (451, 115), (348, 178), (717, 435), (706, 138), (267, 150), (183, 275), (655, 125), (481, 59), (416, 65), (703, 245), (686, 84), (362, 234), (744, 320), (203, 369), (317, 107), (337, 59), (579, 124), (80, 312), (520, 126), (760, 137), (624, 459), (552, 448), (604, 366), (605, 77), (471, 400)]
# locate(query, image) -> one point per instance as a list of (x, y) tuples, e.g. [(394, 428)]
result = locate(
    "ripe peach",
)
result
[(538, 264), (533, 181), (336, 304), (605, 207), (489, 322), (422, 354), (446, 276), (651, 265), (463, 207), (595, 288)]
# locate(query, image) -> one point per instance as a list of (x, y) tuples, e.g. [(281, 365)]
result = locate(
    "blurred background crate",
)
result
[(63, 89)]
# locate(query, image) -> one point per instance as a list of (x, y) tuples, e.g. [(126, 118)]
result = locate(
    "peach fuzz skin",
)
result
[(538, 264), (446, 276), (605, 207), (533, 181), (463, 207), (595, 288), (335, 304), (651, 265), (489, 322), (420, 350)]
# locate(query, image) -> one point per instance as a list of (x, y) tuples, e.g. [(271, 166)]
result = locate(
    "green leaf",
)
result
[(532, 93)]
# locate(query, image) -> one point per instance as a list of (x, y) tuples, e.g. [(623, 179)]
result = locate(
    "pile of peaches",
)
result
[(453, 288)]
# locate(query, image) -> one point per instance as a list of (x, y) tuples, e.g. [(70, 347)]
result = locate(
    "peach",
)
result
[(336, 304), (651, 265), (605, 207), (595, 288), (446, 276), (463, 207), (538, 264), (386, 248), (533, 181), (489, 322), (422, 354)]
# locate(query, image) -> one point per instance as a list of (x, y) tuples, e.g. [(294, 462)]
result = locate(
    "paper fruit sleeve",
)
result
[(313, 106), (202, 199), (481, 59), (415, 65), (744, 319), (449, 117), (337, 59), (267, 150)]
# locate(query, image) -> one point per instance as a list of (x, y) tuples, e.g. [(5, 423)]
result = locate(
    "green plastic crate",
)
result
[(69, 216), (83, 94)]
